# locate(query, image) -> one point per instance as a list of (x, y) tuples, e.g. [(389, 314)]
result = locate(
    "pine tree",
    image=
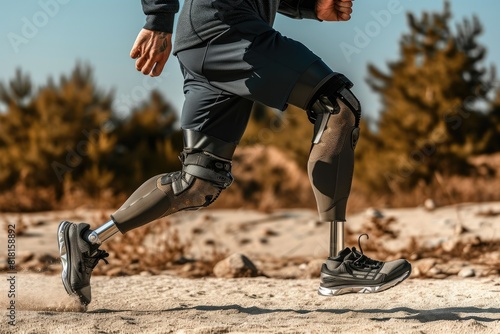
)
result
[(430, 120), (66, 136)]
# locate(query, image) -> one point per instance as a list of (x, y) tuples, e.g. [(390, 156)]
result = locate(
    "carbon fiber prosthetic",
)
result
[(336, 114), (205, 173), (331, 160)]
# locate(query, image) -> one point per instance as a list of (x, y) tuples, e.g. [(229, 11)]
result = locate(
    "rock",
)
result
[(234, 266), (429, 204), (467, 272), (435, 272), (450, 244)]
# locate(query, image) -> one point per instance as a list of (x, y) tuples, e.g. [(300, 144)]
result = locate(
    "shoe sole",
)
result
[(64, 246), (363, 289), (63, 242)]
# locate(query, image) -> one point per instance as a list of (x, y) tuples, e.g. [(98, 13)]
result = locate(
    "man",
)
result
[(230, 57)]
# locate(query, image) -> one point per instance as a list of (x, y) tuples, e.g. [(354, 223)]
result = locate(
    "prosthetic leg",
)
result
[(336, 113), (331, 160), (206, 171)]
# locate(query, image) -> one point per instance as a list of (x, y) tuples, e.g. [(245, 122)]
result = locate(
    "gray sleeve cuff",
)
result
[(299, 9), (308, 9), (160, 22)]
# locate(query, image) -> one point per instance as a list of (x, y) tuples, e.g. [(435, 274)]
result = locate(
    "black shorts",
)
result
[(223, 78)]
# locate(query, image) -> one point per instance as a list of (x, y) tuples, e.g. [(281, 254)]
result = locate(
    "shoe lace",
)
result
[(362, 260), (92, 260)]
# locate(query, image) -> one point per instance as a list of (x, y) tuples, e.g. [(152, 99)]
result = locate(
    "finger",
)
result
[(135, 52), (344, 10), (344, 13), (343, 4), (148, 67), (136, 48), (344, 16), (159, 67), (139, 64)]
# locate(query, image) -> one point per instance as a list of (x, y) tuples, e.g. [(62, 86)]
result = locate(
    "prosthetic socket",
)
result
[(336, 114), (206, 171)]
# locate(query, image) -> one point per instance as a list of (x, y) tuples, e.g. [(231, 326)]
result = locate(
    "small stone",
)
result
[(451, 244), (467, 272), (429, 204), (435, 271), (425, 265), (234, 266)]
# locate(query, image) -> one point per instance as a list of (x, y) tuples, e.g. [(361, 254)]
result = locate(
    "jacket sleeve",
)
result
[(160, 14), (298, 9)]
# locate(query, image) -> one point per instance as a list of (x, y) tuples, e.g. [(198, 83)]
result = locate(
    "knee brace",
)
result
[(206, 171), (335, 112)]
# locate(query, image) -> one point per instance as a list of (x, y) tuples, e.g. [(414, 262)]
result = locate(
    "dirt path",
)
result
[(167, 304)]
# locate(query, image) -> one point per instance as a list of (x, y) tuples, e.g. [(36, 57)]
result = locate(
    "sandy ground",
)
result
[(166, 304), (169, 304)]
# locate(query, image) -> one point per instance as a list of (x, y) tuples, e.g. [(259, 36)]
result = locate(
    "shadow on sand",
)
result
[(423, 316)]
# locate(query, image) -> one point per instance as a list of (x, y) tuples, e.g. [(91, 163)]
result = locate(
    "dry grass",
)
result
[(155, 248), (27, 199)]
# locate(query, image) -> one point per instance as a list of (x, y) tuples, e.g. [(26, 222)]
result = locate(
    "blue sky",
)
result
[(45, 38)]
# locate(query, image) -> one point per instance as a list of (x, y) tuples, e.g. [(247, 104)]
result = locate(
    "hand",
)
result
[(334, 10), (151, 49)]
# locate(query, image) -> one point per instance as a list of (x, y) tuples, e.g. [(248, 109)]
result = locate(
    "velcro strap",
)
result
[(208, 168), (203, 160), (221, 179)]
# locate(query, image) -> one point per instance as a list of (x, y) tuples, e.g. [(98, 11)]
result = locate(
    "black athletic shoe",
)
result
[(78, 259), (357, 273)]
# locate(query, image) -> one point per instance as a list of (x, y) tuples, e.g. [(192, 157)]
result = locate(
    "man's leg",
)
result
[(206, 171), (255, 61), (213, 122)]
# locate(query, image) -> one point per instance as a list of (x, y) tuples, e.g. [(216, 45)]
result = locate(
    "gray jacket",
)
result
[(201, 20)]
